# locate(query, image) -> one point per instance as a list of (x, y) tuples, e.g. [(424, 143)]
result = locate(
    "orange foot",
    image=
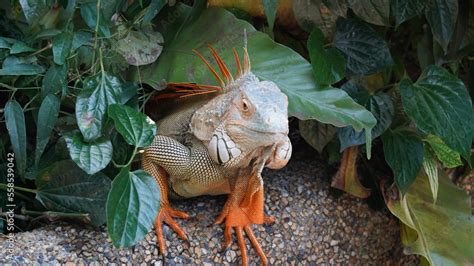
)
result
[(240, 217), (166, 216)]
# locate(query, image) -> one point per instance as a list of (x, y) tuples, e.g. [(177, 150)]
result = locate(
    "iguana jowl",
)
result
[(220, 146)]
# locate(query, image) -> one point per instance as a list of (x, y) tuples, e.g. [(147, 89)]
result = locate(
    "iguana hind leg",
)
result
[(152, 160)]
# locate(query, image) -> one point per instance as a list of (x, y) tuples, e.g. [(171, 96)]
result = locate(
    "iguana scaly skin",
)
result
[(220, 146)]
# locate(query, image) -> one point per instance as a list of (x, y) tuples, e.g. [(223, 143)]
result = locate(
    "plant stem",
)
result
[(5, 187), (129, 161), (16, 88), (42, 49), (53, 213), (95, 34)]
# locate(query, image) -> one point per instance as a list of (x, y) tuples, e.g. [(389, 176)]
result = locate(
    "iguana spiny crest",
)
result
[(248, 113)]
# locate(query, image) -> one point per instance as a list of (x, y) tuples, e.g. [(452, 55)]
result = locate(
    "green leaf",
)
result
[(62, 44), (403, 152), (17, 66), (90, 157), (441, 16), (446, 155), (47, 117), (328, 64), (132, 206), (316, 134), (91, 104), (81, 38), (21, 70), (337, 7), (366, 52), (20, 47), (140, 47), (380, 105), (444, 229), (431, 169), (373, 11), (153, 9), (35, 10), (89, 15), (5, 43), (270, 7), (65, 187), (135, 127), (404, 10), (270, 61), (440, 105), (15, 122), (54, 80)]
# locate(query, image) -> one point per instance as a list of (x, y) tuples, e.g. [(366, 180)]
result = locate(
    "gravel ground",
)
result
[(312, 227)]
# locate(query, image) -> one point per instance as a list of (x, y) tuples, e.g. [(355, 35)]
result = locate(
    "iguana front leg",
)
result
[(243, 208), (165, 153)]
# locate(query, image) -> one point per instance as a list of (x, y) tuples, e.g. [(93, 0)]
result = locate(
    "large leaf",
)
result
[(440, 105), (380, 105), (16, 66), (404, 10), (316, 134), (65, 187), (446, 155), (444, 229), (47, 117), (91, 104), (140, 47), (54, 80), (15, 121), (270, 61), (441, 16), (328, 64), (403, 152), (20, 47), (135, 127), (62, 44), (89, 14), (132, 206), (373, 11), (366, 52), (35, 10), (90, 157)]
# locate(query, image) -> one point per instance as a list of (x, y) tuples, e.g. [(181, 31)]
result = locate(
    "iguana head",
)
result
[(249, 115)]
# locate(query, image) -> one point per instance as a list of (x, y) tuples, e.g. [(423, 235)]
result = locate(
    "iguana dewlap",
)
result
[(220, 146)]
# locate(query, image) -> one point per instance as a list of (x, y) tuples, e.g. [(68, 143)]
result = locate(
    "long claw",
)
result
[(172, 223), (242, 246), (255, 244), (166, 215), (269, 219), (179, 214), (227, 238)]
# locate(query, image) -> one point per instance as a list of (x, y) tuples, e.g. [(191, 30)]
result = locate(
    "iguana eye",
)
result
[(245, 105)]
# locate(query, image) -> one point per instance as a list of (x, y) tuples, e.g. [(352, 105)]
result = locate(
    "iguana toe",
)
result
[(167, 215)]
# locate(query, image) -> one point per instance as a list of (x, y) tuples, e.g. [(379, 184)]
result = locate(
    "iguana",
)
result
[(220, 145)]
